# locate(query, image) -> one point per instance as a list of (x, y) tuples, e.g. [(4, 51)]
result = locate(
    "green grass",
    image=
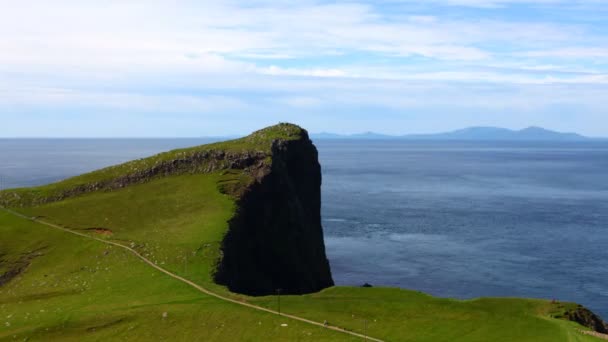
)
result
[(80, 289), (83, 290), (178, 222), (403, 315)]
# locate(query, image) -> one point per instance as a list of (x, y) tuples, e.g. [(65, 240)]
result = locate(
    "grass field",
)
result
[(55, 285), (177, 222), (402, 315), (79, 289)]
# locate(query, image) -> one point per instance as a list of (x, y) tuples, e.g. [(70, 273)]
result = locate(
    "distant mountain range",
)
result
[(471, 133)]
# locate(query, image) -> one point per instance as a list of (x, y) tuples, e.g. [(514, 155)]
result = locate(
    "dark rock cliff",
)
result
[(275, 240), (586, 318)]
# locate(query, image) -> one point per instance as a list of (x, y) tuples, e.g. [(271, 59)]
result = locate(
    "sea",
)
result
[(452, 219)]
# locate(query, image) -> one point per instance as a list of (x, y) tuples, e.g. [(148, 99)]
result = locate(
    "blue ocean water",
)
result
[(452, 219), (470, 219)]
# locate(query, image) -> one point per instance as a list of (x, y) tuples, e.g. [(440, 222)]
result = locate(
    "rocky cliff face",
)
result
[(586, 318), (275, 240)]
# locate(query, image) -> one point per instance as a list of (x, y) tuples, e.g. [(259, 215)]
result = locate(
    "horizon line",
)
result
[(236, 136)]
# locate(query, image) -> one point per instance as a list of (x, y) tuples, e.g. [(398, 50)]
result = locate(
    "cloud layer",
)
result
[(203, 68)]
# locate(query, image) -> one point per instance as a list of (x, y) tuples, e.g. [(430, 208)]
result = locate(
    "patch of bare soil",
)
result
[(100, 231), (596, 334)]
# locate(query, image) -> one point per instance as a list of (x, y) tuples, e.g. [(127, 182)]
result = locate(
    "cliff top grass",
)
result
[(259, 142)]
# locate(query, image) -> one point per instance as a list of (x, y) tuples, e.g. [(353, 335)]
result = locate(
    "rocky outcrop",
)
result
[(199, 162), (587, 318), (275, 240), (204, 161)]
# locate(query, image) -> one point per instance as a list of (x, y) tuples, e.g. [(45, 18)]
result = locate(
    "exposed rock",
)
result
[(202, 162), (206, 161), (275, 240), (585, 317)]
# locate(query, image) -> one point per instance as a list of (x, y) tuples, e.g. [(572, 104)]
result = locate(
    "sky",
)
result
[(73, 68)]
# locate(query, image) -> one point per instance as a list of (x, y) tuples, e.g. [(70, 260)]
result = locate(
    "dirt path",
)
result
[(194, 285), (596, 334)]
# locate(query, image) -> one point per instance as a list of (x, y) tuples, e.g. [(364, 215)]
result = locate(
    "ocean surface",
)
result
[(452, 219)]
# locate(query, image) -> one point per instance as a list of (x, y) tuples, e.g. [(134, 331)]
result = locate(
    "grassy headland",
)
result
[(54, 285)]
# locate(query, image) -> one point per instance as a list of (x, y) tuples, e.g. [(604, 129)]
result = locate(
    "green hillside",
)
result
[(78, 289), (60, 286)]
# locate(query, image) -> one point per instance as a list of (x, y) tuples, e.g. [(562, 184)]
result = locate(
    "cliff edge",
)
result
[(275, 240)]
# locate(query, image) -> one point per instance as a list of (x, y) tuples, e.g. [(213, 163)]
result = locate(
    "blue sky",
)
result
[(195, 68)]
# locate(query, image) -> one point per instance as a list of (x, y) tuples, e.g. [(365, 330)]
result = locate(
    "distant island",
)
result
[(470, 134)]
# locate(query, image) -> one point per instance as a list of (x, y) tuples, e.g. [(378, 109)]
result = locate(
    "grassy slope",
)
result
[(178, 222), (83, 290), (402, 315)]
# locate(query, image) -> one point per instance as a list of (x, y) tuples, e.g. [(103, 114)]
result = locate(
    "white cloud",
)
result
[(301, 101), (502, 3), (104, 100), (277, 71), (201, 37), (570, 52), (306, 57)]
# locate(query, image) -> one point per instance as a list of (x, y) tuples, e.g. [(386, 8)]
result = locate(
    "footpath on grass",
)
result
[(192, 284), (594, 333)]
